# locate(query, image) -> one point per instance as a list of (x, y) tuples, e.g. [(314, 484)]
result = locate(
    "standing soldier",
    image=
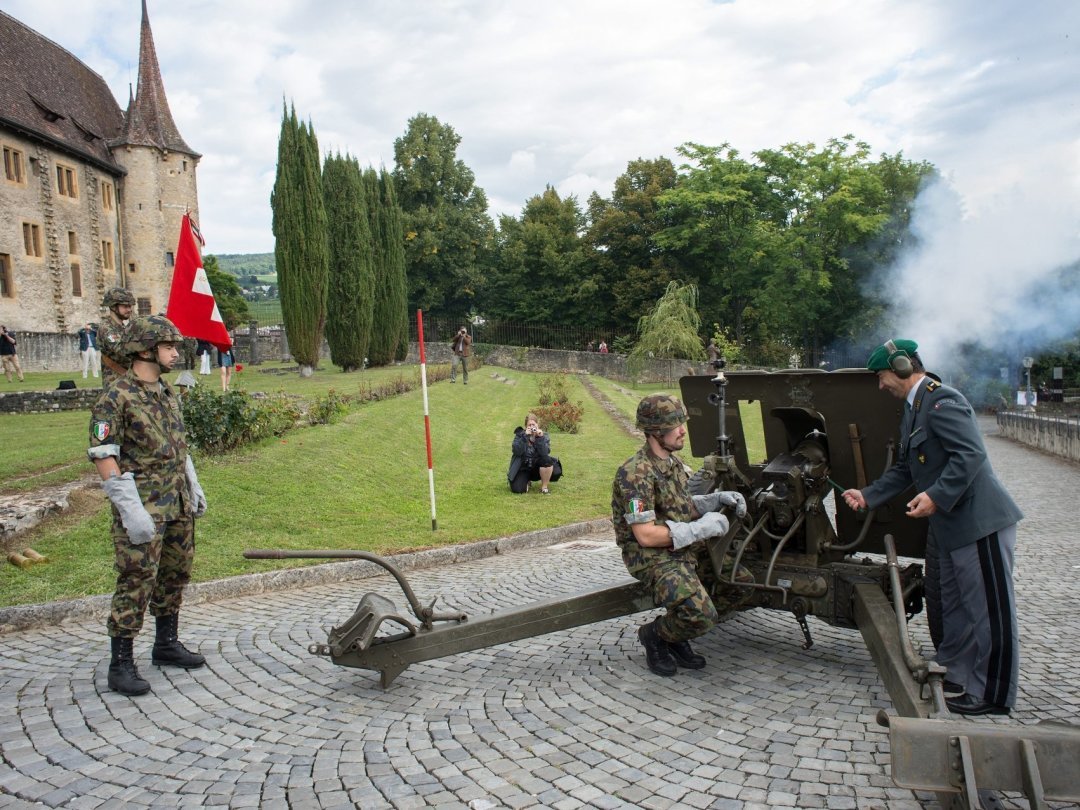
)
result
[(137, 444), (114, 362), (660, 527)]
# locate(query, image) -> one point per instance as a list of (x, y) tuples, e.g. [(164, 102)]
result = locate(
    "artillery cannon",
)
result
[(782, 439)]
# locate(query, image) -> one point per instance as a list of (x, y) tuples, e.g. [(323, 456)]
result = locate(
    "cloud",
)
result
[(983, 91)]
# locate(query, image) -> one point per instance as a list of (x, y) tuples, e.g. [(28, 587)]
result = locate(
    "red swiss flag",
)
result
[(191, 301)]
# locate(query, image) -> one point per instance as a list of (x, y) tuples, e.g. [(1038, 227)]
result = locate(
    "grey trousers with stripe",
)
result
[(980, 646)]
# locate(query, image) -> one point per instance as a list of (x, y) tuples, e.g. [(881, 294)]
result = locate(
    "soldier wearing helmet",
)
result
[(137, 444), (660, 527), (118, 303)]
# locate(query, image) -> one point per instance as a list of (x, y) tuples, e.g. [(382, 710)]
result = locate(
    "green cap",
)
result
[(880, 358)]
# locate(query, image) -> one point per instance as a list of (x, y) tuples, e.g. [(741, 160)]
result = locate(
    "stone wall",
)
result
[(78, 399), (1057, 435), (40, 351)]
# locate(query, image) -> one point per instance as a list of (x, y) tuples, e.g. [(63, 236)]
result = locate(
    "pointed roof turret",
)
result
[(149, 121)]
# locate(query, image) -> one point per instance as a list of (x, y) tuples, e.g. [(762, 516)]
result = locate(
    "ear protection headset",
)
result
[(899, 361)]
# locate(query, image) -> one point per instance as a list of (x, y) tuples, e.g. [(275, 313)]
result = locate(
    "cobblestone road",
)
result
[(572, 719)]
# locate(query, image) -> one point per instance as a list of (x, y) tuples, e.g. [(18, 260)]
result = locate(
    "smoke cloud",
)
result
[(1004, 278)]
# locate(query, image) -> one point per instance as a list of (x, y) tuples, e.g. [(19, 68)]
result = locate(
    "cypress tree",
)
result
[(397, 295), (300, 243), (350, 298)]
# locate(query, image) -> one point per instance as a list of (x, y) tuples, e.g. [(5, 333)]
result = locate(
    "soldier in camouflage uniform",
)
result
[(659, 526), (114, 360), (137, 444)]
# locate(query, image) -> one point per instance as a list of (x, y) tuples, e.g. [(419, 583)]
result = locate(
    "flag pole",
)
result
[(427, 417)]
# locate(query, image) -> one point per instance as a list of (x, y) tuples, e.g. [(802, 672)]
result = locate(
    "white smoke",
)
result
[(992, 277)]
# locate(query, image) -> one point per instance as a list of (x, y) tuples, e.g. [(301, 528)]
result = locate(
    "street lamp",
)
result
[(1029, 397)]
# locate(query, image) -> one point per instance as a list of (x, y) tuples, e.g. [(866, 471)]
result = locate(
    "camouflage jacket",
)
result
[(111, 342), (648, 489), (140, 425)]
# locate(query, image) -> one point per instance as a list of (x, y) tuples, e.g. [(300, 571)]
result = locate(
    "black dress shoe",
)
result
[(953, 690), (970, 705)]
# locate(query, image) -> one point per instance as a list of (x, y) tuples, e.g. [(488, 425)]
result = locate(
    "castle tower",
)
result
[(159, 186)]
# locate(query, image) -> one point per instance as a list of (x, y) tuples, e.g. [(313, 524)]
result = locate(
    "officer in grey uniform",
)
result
[(137, 444), (660, 528), (119, 304), (972, 523)]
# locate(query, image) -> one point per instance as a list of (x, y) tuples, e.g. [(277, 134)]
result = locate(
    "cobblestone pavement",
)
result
[(572, 719)]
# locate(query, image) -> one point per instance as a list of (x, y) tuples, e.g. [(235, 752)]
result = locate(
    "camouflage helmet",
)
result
[(660, 413), (117, 295), (147, 332)]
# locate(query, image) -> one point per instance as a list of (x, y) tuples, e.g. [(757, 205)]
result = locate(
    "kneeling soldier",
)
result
[(137, 443)]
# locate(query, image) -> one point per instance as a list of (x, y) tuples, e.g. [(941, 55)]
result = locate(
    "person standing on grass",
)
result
[(88, 348), (227, 363), (137, 443), (461, 346), (9, 355)]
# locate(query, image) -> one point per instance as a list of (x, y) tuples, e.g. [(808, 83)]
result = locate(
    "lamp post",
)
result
[(1029, 397)]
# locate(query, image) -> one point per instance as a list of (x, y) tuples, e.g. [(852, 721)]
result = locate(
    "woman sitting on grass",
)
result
[(531, 459)]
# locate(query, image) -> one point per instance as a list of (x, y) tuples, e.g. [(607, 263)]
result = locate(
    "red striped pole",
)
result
[(427, 417)]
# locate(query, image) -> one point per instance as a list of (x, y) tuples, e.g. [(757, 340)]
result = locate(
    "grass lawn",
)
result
[(360, 484)]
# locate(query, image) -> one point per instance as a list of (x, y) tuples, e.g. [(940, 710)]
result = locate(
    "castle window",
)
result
[(131, 267), (66, 185), (7, 283), (144, 306), (13, 165), (32, 239), (107, 259), (73, 242), (107, 195), (169, 260), (76, 280)]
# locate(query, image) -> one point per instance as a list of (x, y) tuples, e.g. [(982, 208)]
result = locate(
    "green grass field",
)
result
[(361, 484)]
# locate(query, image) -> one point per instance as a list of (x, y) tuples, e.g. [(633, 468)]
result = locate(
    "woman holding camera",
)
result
[(531, 459)]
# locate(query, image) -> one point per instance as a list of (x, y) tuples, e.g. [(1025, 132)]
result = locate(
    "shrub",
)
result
[(553, 389), (327, 410), (560, 414), (217, 423)]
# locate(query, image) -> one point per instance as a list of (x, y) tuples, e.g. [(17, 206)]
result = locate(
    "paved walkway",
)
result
[(572, 719)]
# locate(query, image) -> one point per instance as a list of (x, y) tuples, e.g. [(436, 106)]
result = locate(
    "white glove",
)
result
[(198, 497), (713, 524), (123, 493), (714, 500)]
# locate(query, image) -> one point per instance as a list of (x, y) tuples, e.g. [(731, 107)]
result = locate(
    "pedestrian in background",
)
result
[(972, 529), (203, 350), (530, 458), (137, 443), (226, 361), (461, 347), (9, 354), (88, 348)]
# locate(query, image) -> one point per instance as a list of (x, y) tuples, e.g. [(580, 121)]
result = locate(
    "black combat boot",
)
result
[(657, 653), (170, 652), (123, 676), (685, 656)]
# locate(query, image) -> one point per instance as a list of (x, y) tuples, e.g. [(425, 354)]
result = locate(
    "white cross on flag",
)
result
[(191, 301)]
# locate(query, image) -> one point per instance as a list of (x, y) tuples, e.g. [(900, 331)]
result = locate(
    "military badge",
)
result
[(100, 430), (922, 458), (636, 506)]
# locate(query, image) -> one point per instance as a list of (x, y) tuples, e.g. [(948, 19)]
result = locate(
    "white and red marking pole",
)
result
[(427, 417)]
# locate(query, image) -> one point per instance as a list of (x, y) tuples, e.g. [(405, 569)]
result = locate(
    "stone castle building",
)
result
[(92, 195)]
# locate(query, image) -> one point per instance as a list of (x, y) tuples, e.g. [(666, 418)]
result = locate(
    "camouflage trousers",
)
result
[(683, 584), (153, 574)]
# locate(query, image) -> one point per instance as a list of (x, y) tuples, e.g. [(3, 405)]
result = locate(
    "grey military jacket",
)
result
[(942, 453)]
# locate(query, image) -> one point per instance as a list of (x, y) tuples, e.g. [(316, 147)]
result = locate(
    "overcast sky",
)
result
[(566, 93)]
